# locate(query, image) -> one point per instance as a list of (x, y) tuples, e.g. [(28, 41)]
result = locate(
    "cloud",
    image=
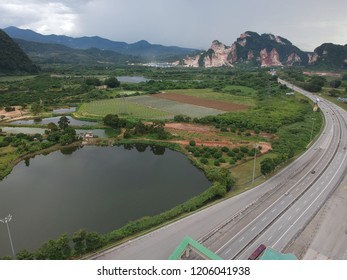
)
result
[(41, 16), (187, 23)]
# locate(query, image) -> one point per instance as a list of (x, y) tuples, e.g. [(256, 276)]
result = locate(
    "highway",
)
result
[(273, 213)]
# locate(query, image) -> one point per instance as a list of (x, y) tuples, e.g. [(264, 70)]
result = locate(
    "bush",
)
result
[(232, 161), (225, 149), (204, 160), (192, 143), (231, 154), (236, 150), (217, 155), (216, 163), (197, 154), (222, 160), (244, 149)]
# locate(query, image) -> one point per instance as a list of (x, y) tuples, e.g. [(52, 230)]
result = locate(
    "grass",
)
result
[(343, 93), (226, 97), (16, 78), (120, 106)]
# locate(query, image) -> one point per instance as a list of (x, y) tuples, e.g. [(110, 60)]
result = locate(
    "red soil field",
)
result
[(215, 104)]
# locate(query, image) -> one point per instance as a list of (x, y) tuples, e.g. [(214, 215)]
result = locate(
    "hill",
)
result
[(12, 58), (142, 48), (331, 56), (44, 53), (268, 50), (251, 48)]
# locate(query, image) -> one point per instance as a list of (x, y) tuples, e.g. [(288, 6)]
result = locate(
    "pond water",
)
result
[(54, 120), (96, 188), (64, 110), (132, 79), (102, 133)]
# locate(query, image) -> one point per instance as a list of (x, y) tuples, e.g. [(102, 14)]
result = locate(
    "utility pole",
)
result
[(6, 220), (313, 119), (255, 158)]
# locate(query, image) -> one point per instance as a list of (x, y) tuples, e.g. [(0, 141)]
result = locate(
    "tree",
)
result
[(63, 122), (113, 121), (52, 126), (93, 241), (36, 108), (112, 82), (55, 249), (79, 239), (267, 166), (335, 83), (25, 255)]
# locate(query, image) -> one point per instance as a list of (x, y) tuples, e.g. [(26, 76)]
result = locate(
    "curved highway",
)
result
[(272, 213)]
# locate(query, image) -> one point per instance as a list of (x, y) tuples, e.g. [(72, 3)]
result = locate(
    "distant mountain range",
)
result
[(143, 49), (268, 50), (12, 57)]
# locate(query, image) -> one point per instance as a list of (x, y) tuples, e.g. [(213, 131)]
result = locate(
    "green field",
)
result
[(121, 107), (16, 78), (246, 96)]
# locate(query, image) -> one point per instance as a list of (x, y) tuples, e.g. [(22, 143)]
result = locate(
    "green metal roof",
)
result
[(271, 254), (190, 242)]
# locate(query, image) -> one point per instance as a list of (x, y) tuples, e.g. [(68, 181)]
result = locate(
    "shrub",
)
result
[(236, 150), (197, 154), (232, 161), (222, 160), (231, 154), (216, 163), (244, 149), (204, 160), (217, 155), (192, 143), (225, 149)]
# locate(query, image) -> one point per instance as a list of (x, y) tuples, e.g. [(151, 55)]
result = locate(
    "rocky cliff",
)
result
[(264, 50)]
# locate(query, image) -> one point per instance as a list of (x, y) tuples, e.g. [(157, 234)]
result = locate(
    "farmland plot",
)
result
[(121, 107), (174, 107)]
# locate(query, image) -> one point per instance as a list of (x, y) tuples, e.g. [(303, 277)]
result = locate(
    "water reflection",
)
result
[(155, 149)]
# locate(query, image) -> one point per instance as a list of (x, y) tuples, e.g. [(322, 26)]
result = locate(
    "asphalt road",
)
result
[(272, 214)]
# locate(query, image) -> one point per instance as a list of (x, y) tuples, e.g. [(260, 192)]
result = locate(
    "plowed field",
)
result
[(215, 104)]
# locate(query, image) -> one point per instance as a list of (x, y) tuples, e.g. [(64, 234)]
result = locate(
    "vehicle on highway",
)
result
[(313, 171), (257, 252)]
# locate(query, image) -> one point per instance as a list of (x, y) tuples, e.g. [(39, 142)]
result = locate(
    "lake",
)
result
[(96, 188), (132, 79), (100, 132), (54, 120)]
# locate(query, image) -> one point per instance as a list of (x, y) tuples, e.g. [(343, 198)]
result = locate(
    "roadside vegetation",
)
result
[(272, 127)]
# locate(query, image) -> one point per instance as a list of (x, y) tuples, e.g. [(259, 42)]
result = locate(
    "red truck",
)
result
[(257, 252)]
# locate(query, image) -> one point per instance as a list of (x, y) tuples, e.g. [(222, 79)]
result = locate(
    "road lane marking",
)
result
[(289, 218), (267, 209), (253, 228), (309, 206), (227, 252), (242, 238), (273, 210), (269, 238), (280, 227), (264, 219)]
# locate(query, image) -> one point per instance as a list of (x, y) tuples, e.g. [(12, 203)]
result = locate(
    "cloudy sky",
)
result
[(185, 23)]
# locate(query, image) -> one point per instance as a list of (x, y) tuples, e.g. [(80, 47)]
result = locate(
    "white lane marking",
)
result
[(242, 238), (264, 219), (309, 206), (253, 228), (289, 218)]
